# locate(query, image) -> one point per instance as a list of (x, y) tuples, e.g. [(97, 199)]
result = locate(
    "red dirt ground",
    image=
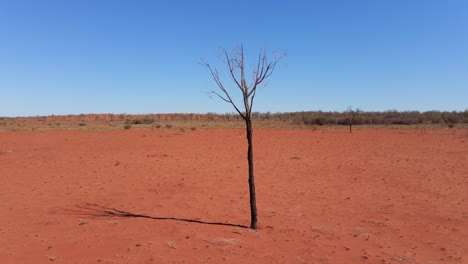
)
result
[(374, 196)]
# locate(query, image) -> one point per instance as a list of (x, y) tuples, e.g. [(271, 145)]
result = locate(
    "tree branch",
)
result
[(236, 61), (231, 69), (228, 99)]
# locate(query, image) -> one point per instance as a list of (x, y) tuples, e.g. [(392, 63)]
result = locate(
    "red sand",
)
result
[(374, 196)]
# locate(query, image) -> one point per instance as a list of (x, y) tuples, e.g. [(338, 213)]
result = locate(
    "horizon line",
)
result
[(231, 113)]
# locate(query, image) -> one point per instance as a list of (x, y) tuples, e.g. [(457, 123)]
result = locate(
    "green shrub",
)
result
[(127, 126)]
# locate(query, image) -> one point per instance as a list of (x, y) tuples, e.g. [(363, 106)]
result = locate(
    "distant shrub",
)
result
[(405, 121), (320, 121), (432, 117), (300, 121), (436, 120), (140, 121), (310, 121), (143, 121), (453, 119), (127, 126), (157, 126), (168, 126), (193, 128), (358, 120), (344, 121), (82, 124)]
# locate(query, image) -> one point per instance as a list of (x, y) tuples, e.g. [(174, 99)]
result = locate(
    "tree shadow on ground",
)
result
[(96, 211)]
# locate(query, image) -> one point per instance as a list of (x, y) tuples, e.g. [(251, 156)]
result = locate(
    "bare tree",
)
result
[(236, 66), (351, 115)]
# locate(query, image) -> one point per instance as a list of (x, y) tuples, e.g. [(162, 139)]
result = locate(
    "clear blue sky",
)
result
[(111, 56)]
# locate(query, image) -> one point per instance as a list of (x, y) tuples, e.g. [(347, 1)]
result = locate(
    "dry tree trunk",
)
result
[(236, 65), (253, 197)]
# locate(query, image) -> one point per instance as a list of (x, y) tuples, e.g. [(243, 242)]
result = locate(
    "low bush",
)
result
[(140, 121)]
